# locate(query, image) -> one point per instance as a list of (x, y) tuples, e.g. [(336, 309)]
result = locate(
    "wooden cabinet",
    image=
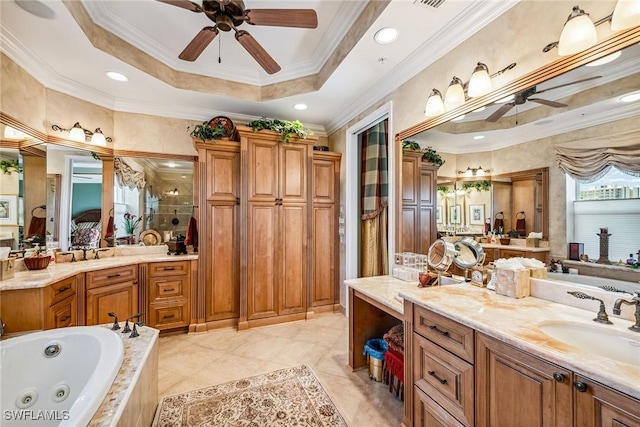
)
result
[(324, 292), (418, 218), (61, 300), (169, 285), (277, 236), (516, 388), (442, 369), (597, 405), (111, 290)]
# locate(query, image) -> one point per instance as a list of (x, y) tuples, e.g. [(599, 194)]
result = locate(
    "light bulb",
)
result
[(434, 106), (455, 94), (468, 172), (578, 33), (98, 138), (480, 82), (76, 133)]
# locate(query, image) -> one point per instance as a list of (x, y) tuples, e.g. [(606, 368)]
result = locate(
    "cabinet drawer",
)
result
[(110, 276), (62, 314), (171, 315), (448, 334), (168, 268), (445, 378), (428, 413), (171, 287), (62, 290)]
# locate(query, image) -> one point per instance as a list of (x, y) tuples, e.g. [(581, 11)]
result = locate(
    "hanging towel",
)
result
[(192, 234), (37, 227), (521, 225), (109, 232)]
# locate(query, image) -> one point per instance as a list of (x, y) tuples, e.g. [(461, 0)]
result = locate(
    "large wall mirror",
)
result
[(571, 94)]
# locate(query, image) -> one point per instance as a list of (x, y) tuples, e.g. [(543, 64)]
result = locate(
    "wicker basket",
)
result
[(37, 262), (505, 241)]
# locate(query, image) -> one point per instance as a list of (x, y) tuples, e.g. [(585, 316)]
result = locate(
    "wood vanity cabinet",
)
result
[(516, 388), (169, 285), (325, 288), (418, 203), (62, 308), (111, 290), (276, 234), (597, 405)]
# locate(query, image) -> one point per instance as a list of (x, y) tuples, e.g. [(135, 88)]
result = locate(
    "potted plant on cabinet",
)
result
[(285, 128), (429, 154)]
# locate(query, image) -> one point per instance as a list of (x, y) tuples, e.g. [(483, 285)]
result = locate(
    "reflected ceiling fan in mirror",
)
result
[(229, 14), (525, 95)]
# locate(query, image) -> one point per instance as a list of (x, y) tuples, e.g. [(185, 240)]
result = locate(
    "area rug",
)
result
[(283, 398)]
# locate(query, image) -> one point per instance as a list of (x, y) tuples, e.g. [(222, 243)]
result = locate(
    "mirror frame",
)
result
[(608, 45)]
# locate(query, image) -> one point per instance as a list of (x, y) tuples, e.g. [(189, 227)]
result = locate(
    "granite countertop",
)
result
[(515, 321), (59, 271), (514, 247)]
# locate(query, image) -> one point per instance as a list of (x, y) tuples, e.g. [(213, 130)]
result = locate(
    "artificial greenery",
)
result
[(205, 132), (477, 185), (429, 154), (285, 128), (443, 190), (8, 166)]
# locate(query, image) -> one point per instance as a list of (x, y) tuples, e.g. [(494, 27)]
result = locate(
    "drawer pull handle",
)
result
[(111, 276), (580, 386), (433, 374), (61, 290), (169, 290), (169, 268), (435, 328), (168, 316), (65, 318), (558, 377)]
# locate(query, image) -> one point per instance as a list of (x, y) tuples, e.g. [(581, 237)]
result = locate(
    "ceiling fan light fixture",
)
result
[(480, 82), (578, 34), (76, 133), (457, 119), (386, 35), (434, 106), (455, 94), (626, 14), (507, 98)]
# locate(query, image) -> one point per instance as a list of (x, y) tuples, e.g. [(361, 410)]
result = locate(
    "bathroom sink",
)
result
[(597, 339)]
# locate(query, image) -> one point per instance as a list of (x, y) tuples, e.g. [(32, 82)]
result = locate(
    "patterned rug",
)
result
[(283, 398)]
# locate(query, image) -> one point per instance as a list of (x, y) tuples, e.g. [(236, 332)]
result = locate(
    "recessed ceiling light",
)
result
[(117, 76), (505, 99), (172, 165), (479, 109), (300, 106), (457, 119), (632, 97), (604, 60), (36, 8), (183, 176), (386, 35), (478, 137)]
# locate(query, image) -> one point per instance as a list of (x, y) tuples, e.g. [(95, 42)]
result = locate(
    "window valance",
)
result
[(128, 177)]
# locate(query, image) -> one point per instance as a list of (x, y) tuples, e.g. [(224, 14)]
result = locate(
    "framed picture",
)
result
[(439, 214), (476, 214), (8, 210), (454, 215)]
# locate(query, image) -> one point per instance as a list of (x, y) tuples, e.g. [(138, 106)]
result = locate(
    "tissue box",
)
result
[(6, 268), (512, 283), (533, 242)]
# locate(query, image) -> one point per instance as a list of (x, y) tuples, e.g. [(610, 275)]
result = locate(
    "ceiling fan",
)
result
[(525, 95), (229, 14)]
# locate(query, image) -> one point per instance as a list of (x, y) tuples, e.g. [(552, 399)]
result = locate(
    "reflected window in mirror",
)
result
[(155, 197)]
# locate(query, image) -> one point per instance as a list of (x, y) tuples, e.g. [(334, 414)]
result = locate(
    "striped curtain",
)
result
[(375, 196)]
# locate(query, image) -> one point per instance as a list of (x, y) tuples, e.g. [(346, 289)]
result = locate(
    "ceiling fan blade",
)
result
[(500, 112), (548, 103), (198, 44), (568, 84), (257, 51), (297, 18), (185, 4)]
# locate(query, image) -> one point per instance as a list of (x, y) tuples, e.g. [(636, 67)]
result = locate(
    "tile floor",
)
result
[(187, 362)]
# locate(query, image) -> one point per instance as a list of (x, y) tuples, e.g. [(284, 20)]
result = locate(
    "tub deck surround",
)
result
[(133, 396), (59, 271), (514, 321)]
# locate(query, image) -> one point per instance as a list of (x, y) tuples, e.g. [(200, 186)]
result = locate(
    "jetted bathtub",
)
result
[(57, 377)]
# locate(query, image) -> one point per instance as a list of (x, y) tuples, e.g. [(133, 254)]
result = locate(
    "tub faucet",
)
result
[(116, 325), (634, 301), (127, 329), (601, 317)]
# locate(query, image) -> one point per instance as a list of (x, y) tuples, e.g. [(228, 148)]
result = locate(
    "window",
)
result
[(613, 185)]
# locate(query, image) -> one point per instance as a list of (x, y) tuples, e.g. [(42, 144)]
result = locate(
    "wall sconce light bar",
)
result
[(174, 192), (80, 134), (470, 172)]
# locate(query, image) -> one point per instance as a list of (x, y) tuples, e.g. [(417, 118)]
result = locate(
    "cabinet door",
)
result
[(599, 406), (428, 413), (262, 175), (410, 178), (409, 228), (62, 314), (121, 298), (262, 254), (293, 259), (427, 233), (324, 181), (323, 259), (516, 388), (292, 175)]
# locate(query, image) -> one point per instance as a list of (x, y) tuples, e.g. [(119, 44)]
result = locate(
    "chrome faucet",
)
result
[(634, 301)]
